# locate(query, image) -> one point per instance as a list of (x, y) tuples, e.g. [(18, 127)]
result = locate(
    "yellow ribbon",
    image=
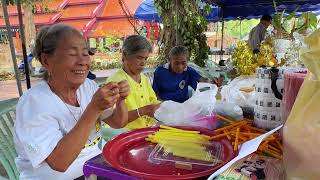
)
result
[(94, 142)]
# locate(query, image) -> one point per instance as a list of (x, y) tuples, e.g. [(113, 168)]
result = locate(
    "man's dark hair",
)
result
[(266, 18)]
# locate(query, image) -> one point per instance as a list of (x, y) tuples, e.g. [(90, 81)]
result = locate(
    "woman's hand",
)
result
[(124, 89), (218, 81), (149, 110), (106, 97)]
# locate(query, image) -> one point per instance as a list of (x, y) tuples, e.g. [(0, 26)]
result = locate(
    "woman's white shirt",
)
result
[(42, 119)]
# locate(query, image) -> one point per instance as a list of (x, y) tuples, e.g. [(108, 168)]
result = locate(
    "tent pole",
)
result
[(222, 38), (13, 53), (24, 50), (222, 35), (240, 29), (217, 37)]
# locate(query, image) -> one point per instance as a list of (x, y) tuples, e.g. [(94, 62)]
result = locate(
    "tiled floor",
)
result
[(8, 89)]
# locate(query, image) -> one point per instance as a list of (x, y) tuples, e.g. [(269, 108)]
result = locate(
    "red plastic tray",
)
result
[(129, 153)]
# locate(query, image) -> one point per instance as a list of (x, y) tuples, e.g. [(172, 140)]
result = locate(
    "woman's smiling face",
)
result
[(70, 62)]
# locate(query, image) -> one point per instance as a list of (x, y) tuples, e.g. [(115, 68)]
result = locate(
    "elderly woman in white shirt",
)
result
[(58, 121)]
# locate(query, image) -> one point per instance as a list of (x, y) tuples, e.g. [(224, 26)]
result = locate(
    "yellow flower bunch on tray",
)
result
[(244, 60)]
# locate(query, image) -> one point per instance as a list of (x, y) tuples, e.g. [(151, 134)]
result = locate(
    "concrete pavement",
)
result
[(8, 89)]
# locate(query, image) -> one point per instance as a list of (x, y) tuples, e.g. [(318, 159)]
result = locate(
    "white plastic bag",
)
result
[(199, 106), (232, 92), (229, 110)]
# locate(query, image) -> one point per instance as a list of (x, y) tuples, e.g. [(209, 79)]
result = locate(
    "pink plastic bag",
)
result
[(292, 84)]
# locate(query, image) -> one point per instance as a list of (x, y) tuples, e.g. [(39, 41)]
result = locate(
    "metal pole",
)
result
[(222, 38), (13, 53), (23, 41), (240, 29), (222, 35), (217, 37)]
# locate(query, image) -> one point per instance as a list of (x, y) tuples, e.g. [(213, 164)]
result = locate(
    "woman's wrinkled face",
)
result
[(178, 63), (136, 62), (71, 62)]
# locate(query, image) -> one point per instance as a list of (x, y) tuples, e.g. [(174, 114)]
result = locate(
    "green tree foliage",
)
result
[(183, 24), (43, 3), (240, 29)]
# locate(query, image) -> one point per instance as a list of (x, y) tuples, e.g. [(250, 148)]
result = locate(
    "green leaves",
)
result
[(311, 19), (291, 15), (183, 17), (286, 25), (207, 9)]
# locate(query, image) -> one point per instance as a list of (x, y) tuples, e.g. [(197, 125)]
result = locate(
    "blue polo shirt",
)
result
[(171, 86)]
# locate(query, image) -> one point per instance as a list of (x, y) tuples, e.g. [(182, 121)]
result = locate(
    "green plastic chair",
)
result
[(7, 150), (149, 73)]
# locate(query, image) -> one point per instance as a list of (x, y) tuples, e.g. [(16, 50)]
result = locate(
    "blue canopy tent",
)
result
[(235, 9), (232, 10), (244, 9), (148, 12)]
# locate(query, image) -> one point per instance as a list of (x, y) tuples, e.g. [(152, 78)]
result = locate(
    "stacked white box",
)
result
[(268, 108)]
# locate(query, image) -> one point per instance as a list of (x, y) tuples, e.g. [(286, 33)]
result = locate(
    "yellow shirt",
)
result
[(141, 94)]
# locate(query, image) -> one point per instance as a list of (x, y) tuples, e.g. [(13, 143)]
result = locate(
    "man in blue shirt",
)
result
[(171, 80)]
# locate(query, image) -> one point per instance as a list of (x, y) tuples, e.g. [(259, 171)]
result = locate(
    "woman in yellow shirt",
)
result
[(142, 101)]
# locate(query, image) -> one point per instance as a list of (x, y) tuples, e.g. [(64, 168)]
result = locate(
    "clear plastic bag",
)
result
[(198, 108), (229, 110), (213, 154)]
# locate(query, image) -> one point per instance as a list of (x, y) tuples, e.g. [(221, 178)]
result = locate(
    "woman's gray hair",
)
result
[(135, 43), (48, 38), (178, 50)]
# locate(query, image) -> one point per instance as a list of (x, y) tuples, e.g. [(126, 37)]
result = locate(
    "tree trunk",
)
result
[(183, 24), (30, 28), (171, 36)]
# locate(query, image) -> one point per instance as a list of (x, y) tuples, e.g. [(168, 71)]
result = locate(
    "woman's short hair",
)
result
[(178, 50), (135, 43), (48, 38)]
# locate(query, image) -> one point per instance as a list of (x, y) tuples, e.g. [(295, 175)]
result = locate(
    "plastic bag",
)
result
[(292, 85), (234, 93), (229, 110), (301, 131), (196, 111)]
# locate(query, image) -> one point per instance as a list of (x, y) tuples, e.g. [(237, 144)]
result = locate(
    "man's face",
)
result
[(266, 24)]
